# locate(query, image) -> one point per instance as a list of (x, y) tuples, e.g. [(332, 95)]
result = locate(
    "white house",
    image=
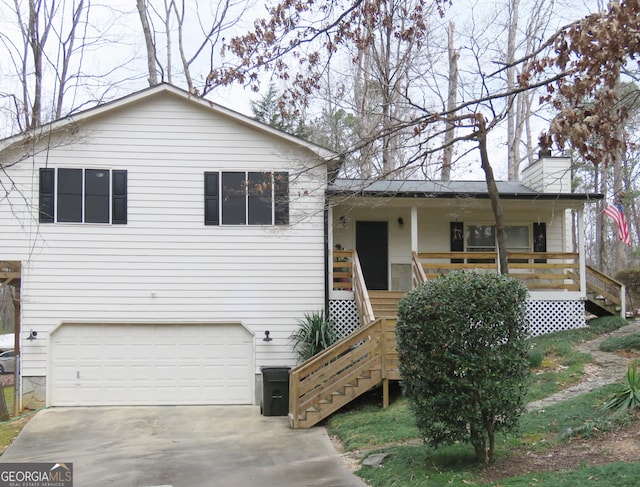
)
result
[(160, 237), (166, 248)]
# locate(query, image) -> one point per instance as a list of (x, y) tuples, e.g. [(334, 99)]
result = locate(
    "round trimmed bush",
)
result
[(462, 346)]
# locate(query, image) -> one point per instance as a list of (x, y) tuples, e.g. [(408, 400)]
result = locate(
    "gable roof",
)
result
[(165, 88), (446, 189)]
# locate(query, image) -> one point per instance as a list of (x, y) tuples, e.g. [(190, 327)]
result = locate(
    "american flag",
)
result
[(616, 213)]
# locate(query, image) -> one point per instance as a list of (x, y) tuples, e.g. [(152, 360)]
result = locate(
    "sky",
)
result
[(116, 56)]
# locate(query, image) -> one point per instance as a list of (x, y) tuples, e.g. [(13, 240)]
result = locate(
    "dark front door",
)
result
[(371, 245)]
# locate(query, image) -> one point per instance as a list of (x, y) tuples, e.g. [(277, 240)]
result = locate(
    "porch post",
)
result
[(414, 229), (582, 254), (329, 249)]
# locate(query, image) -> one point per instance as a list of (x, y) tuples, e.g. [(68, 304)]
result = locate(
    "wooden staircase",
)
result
[(385, 303), (605, 296), (361, 361)]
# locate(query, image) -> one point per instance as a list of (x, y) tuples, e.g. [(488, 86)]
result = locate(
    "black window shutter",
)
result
[(211, 198), (456, 236), (540, 240), (119, 193), (281, 195), (47, 194)]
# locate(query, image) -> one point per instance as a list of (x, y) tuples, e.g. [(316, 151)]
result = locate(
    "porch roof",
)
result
[(446, 189)]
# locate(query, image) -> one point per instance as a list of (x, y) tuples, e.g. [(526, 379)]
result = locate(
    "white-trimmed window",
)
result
[(246, 198), (482, 238), (83, 196)]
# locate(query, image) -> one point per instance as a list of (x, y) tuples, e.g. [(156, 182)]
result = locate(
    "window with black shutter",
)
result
[(246, 198), (83, 196)]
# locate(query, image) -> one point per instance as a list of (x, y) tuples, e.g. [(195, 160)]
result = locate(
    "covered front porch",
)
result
[(398, 239)]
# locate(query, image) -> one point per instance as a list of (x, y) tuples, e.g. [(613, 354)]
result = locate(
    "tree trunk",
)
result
[(512, 115), (447, 156), (148, 39), (494, 195)]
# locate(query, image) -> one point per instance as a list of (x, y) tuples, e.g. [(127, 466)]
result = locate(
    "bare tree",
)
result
[(44, 44), (454, 55), (573, 62), (149, 42), (160, 21)]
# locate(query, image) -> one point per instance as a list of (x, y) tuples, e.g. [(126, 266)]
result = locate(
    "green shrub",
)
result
[(535, 358), (315, 334), (462, 344), (630, 278)]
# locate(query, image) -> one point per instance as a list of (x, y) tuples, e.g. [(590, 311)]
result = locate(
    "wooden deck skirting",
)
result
[(339, 374)]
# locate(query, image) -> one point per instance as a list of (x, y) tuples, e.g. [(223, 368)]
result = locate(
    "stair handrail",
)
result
[(360, 293), (607, 287), (319, 363), (418, 275)]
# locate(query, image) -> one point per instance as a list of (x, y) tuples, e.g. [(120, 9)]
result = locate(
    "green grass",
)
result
[(614, 344), (611, 475), (562, 366), (10, 429), (368, 427)]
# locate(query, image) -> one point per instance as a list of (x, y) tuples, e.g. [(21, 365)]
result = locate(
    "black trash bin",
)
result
[(275, 391)]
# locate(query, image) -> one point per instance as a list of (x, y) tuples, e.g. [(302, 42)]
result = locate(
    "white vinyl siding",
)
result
[(165, 265)]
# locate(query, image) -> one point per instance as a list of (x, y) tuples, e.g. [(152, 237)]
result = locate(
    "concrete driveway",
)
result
[(186, 446)]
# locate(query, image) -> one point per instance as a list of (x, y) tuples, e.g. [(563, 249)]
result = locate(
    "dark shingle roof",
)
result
[(444, 189)]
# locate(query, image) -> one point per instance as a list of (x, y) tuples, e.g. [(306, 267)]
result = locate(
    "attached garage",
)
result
[(150, 364)]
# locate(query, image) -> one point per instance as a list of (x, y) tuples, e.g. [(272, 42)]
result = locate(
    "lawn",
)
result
[(11, 428), (564, 436)]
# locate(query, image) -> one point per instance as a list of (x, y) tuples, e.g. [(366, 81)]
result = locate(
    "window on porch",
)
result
[(482, 238)]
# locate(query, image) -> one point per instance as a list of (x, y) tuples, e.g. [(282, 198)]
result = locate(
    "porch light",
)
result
[(400, 221), (32, 335), (267, 338)]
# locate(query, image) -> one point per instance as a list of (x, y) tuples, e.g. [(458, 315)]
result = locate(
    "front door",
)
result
[(372, 246)]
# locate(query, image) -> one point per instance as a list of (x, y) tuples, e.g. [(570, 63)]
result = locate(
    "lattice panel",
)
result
[(345, 316), (544, 316), (549, 316)]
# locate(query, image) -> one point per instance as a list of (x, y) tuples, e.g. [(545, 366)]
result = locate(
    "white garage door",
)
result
[(134, 364)]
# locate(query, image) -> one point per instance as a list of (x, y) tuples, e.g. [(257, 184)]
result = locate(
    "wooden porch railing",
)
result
[(611, 291), (339, 374), (342, 270), (549, 271), (417, 271), (347, 276)]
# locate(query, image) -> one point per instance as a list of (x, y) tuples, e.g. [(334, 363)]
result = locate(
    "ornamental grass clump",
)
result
[(316, 333), (462, 344), (628, 397)]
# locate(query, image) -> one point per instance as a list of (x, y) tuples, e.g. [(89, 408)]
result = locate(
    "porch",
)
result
[(367, 357), (551, 277)]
